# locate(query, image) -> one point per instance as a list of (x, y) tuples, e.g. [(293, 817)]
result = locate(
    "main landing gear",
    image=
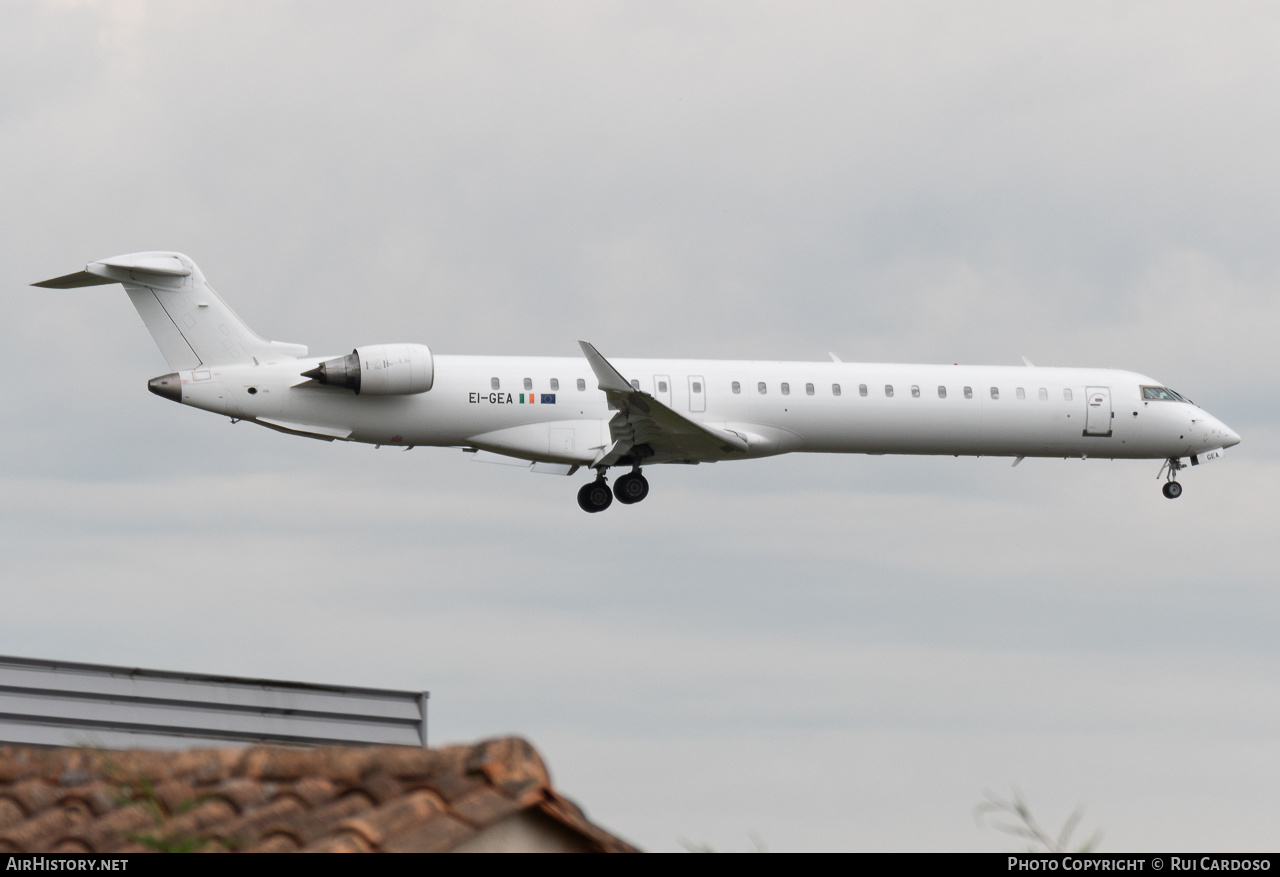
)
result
[(629, 489), (1172, 489), (596, 496)]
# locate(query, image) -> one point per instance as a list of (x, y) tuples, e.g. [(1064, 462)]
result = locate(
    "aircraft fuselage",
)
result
[(550, 408)]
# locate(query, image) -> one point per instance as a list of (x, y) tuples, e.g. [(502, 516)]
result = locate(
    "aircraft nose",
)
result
[(1219, 433)]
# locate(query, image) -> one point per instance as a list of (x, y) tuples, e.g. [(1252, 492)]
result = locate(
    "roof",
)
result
[(260, 799)]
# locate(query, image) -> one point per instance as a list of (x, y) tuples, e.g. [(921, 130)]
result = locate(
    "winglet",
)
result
[(834, 358), (611, 380), (1028, 362)]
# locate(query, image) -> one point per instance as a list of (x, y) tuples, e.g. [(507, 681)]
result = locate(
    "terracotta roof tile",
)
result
[(265, 799), (274, 843), (320, 822), (383, 823), (278, 815), (381, 788), (32, 795), (200, 818), (314, 791), (450, 785), (436, 836), (10, 812), (175, 795), (339, 843), (239, 792), (98, 795), (110, 832), (485, 806)]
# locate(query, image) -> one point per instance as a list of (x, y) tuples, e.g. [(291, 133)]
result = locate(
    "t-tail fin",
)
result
[(190, 323)]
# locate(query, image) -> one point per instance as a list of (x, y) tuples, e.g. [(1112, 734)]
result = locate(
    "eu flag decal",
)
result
[(548, 398)]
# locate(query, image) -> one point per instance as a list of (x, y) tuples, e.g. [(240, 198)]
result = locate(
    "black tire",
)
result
[(1172, 489), (595, 497), (631, 488)]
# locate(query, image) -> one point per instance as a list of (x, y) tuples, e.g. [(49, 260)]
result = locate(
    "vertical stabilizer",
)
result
[(190, 323)]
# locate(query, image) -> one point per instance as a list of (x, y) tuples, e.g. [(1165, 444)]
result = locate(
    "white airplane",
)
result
[(560, 414)]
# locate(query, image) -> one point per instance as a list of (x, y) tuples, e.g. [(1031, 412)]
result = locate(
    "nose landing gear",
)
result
[(1172, 489)]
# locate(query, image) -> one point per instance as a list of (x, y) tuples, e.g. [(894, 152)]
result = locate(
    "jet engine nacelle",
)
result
[(379, 370)]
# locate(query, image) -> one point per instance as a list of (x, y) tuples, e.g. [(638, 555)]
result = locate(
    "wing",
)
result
[(645, 430)]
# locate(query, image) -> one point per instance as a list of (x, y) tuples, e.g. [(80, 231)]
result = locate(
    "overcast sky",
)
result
[(830, 652)]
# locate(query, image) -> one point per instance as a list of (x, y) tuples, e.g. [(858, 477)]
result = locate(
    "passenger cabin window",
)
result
[(555, 384), (1022, 394), (888, 390), (995, 392), (786, 389), (835, 389), (915, 391), (808, 389), (737, 387), (528, 383), (495, 384), (1066, 395), (1044, 395), (968, 392), (862, 389), (942, 392), (635, 384), (760, 388), (582, 385), (662, 386)]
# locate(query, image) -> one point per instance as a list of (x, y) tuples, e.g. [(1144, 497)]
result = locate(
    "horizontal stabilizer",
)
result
[(72, 281), (136, 267)]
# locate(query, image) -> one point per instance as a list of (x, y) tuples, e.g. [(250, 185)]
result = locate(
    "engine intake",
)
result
[(379, 370)]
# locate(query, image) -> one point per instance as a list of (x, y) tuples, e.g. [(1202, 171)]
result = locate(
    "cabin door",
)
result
[(697, 393), (1097, 411), (662, 389)]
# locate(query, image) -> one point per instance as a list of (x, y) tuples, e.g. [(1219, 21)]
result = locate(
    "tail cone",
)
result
[(168, 386)]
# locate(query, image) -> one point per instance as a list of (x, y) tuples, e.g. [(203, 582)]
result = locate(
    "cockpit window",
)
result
[(1161, 393)]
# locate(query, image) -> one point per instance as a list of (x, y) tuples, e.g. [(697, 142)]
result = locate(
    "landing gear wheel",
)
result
[(631, 488), (1172, 489), (595, 497)]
